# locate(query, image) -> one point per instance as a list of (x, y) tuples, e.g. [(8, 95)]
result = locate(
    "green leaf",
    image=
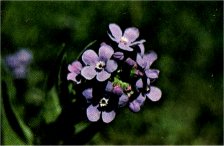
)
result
[(14, 120), (52, 106)]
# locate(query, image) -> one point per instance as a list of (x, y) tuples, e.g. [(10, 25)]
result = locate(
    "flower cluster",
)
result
[(18, 63), (115, 77)]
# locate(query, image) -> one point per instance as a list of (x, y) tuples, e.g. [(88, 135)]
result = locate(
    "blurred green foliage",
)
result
[(187, 36)]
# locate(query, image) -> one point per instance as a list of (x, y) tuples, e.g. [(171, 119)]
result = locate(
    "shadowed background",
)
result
[(187, 36)]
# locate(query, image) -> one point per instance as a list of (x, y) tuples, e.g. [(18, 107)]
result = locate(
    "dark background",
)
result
[(187, 36)]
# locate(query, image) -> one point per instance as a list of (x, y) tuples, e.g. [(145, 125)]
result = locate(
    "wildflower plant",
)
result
[(114, 77), (91, 89)]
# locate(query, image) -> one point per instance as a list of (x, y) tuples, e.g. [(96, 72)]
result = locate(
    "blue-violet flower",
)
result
[(126, 40), (18, 63), (100, 66)]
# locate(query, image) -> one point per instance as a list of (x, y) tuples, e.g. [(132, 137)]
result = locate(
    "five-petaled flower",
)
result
[(98, 108), (126, 40), (94, 111), (100, 66), (145, 62), (105, 106)]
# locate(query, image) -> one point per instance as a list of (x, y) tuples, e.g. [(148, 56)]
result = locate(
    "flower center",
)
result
[(103, 102), (124, 40), (147, 89), (100, 65)]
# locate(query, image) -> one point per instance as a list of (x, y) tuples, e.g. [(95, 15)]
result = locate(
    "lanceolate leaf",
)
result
[(16, 124)]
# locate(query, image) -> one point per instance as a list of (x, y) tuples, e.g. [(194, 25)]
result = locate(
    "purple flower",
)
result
[(75, 70), (94, 112), (143, 87), (103, 107), (18, 63), (152, 92), (24, 56), (145, 63), (126, 40), (100, 66)]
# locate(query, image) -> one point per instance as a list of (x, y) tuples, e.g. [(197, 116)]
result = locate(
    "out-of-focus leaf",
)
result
[(15, 122), (52, 107), (8, 135)]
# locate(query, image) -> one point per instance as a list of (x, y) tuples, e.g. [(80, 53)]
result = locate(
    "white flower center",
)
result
[(103, 102), (147, 89), (124, 40), (100, 65)]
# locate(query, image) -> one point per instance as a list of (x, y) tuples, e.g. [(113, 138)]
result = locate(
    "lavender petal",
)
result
[(148, 81), (105, 52), (111, 66), (71, 76), (123, 100), (125, 47), (152, 73), (139, 84), (88, 93), (93, 114), (89, 57), (24, 56), (140, 61), (150, 58), (109, 86), (119, 55), (142, 49), (131, 34), (130, 61), (134, 106), (103, 75), (12, 61), (154, 94), (88, 72), (20, 72), (115, 31), (108, 116), (75, 67), (140, 99), (137, 42)]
